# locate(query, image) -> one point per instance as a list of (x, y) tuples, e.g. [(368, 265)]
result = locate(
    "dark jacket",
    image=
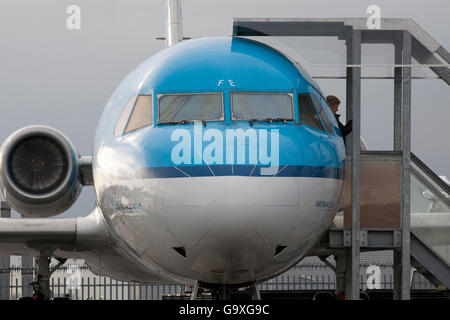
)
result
[(345, 129)]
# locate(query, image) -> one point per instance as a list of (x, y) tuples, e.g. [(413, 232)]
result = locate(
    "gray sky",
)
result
[(51, 75)]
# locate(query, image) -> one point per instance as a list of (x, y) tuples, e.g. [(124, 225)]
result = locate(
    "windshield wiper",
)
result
[(269, 120), (178, 122), (284, 120), (183, 122)]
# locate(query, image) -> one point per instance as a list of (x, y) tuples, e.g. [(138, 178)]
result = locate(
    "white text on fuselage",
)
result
[(239, 146)]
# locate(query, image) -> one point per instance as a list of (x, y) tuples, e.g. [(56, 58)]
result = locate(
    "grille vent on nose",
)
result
[(180, 250), (38, 165), (278, 250)]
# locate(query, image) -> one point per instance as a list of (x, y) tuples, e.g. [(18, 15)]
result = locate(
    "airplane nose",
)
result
[(229, 230), (244, 239)]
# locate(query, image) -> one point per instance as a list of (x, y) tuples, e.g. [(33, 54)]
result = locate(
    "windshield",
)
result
[(247, 106), (197, 106)]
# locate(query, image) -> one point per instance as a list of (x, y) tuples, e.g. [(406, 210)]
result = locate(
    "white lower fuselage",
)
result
[(229, 227)]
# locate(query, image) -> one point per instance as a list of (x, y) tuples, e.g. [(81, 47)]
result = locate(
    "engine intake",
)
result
[(39, 172)]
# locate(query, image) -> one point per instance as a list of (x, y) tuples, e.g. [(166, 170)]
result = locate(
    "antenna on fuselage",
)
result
[(174, 23), (174, 26)]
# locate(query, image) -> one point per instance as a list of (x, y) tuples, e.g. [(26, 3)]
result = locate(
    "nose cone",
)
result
[(242, 243), (243, 228)]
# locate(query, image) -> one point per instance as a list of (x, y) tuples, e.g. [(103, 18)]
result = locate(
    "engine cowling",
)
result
[(39, 172)]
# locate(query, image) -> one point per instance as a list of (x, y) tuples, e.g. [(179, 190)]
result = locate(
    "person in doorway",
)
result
[(334, 103)]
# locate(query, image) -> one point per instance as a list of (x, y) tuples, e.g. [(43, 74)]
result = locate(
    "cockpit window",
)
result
[(254, 106), (308, 113), (190, 107), (142, 114), (322, 114), (123, 119)]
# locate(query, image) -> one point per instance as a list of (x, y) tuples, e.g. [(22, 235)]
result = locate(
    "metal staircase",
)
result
[(430, 228), (408, 212), (380, 229)]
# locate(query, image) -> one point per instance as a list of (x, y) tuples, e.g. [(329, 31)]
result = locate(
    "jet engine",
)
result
[(39, 172)]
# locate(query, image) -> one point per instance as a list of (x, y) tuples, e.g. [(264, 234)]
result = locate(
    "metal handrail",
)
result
[(430, 173)]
